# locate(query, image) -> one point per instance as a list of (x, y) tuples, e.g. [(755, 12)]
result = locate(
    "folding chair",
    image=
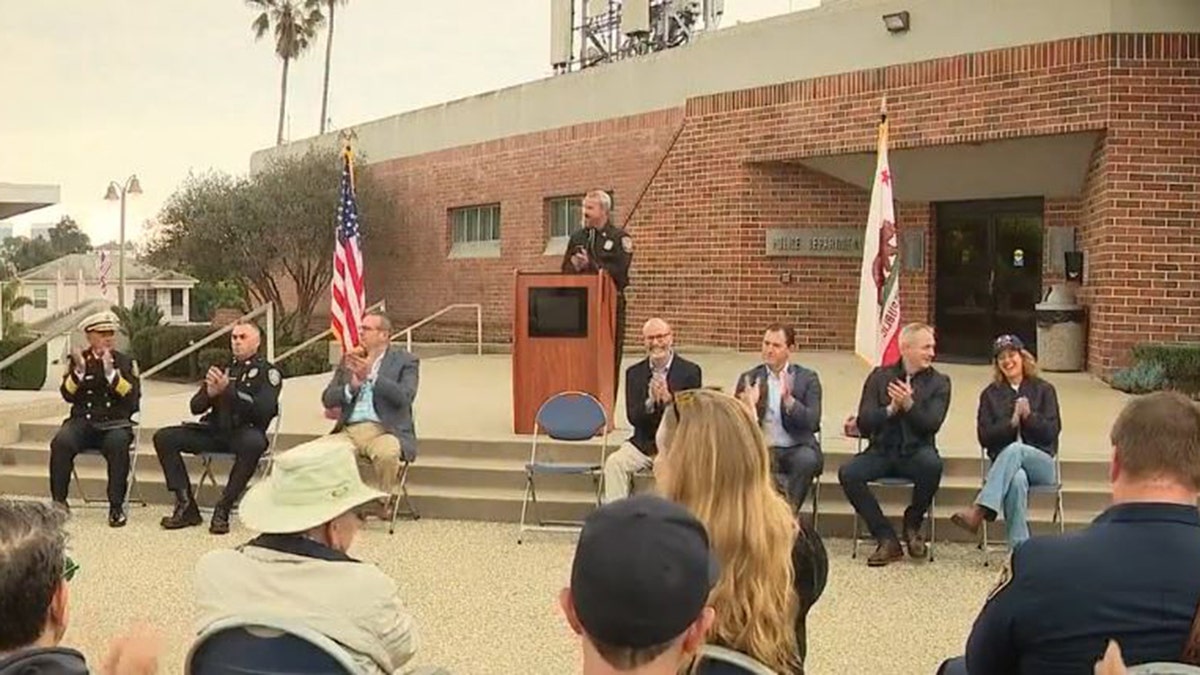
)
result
[(266, 646), (132, 480), (888, 481), (1055, 488), (716, 660), (568, 416), (264, 463), (400, 495)]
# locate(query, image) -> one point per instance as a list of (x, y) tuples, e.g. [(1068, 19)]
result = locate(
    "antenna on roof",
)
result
[(612, 30)]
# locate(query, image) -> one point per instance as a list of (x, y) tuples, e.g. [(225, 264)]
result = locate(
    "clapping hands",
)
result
[(215, 381)]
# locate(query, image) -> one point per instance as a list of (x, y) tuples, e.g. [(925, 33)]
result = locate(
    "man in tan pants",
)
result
[(650, 385), (372, 392)]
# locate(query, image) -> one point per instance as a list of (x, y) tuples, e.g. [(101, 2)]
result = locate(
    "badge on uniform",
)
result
[(274, 377), (253, 372), (1006, 577), (627, 244), (608, 245)]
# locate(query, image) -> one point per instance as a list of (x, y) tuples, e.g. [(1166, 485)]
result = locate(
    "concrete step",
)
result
[(837, 451)]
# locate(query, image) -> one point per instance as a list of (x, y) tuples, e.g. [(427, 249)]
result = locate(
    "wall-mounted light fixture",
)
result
[(897, 22)]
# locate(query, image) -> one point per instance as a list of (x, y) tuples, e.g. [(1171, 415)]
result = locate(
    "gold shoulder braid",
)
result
[(1006, 577)]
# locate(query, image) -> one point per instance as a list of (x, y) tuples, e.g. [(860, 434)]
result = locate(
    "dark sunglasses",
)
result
[(685, 398)]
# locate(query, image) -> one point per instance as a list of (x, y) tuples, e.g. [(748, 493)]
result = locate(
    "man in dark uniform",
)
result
[(103, 388), (1132, 576), (602, 245), (238, 404)]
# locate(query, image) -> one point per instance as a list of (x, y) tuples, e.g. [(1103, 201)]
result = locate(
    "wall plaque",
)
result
[(824, 242)]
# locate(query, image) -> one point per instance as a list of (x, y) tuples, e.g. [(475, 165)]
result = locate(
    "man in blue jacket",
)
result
[(786, 397)]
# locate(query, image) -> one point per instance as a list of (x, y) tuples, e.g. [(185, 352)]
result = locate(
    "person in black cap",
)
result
[(1018, 425), (104, 390), (639, 589)]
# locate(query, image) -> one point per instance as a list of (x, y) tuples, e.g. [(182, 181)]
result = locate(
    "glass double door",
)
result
[(988, 275)]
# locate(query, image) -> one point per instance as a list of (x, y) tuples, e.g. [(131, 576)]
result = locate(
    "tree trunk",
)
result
[(328, 58), (282, 101)]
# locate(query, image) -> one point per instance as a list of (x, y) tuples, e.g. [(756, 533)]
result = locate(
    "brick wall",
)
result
[(727, 166)]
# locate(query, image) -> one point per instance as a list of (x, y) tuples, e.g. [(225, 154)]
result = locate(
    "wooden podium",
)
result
[(564, 328)]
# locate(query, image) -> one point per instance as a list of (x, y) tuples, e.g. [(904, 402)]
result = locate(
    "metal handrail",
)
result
[(61, 327), (381, 306), (268, 309), (407, 332)]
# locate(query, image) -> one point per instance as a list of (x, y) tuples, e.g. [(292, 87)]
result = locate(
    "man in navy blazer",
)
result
[(650, 385), (787, 400), (373, 390)]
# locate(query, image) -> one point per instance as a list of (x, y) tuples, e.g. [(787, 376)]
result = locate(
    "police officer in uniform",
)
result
[(103, 388), (238, 402), (1132, 576), (601, 245)]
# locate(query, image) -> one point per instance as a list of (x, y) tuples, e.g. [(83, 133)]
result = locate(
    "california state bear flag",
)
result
[(876, 335)]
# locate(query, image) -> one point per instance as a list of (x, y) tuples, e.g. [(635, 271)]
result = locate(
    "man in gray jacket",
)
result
[(372, 394)]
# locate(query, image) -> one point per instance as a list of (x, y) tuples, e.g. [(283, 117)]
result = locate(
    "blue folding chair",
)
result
[(265, 463), (1055, 488), (716, 660), (572, 416), (889, 481), (131, 483), (266, 646)]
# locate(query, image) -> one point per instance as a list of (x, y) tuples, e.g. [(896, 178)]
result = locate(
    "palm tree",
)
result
[(295, 23), (328, 56), (10, 301)]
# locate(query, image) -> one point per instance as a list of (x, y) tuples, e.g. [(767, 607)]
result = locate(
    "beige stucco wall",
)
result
[(835, 38)]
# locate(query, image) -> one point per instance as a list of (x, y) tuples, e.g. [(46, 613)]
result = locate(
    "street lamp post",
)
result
[(117, 191)]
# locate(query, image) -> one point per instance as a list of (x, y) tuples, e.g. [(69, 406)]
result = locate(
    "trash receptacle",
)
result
[(1061, 331)]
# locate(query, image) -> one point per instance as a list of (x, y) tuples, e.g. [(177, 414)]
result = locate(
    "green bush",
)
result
[(27, 374), (308, 361), (1180, 362), (213, 356), (1142, 378)]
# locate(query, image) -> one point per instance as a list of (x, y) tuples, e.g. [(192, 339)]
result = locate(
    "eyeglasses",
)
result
[(658, 336), (70, 568)]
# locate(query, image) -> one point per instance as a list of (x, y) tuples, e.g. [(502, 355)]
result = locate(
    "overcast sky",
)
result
[(95, 91)]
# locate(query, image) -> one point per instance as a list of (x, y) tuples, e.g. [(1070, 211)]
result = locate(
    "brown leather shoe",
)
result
[(969, 519), (915, 543), (886, 552)]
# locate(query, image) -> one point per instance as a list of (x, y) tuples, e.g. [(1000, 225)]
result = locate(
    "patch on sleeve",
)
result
[(1006, 577), (274, 376), (627, 244)]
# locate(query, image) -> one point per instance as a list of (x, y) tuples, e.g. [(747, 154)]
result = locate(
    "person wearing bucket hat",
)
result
[(104, 390), (309, 511), (640, 583), (1018, 424)]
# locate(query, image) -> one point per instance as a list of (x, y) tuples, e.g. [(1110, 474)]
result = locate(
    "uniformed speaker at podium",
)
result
[(600, 245)]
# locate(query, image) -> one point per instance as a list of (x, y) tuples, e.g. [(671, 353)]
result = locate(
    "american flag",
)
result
[(349, 296), (105, 268)]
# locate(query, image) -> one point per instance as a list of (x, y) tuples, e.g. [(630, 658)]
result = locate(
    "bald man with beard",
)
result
[(650, 385)]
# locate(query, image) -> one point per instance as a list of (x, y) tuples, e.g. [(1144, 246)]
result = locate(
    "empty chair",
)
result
[(571, 416)]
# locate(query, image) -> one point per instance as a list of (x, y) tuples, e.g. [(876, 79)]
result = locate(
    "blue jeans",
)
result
[(1006, 488)]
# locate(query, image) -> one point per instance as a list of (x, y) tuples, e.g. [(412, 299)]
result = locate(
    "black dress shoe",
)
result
[(116, 516), (186, 514), (220, 521)]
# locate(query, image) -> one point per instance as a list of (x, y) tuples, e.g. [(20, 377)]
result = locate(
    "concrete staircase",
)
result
[(484, 480)]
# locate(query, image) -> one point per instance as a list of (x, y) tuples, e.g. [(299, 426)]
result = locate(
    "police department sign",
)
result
[(824, 242)]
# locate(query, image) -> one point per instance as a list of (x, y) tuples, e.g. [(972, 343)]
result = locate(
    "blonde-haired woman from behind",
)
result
[(714, 461)]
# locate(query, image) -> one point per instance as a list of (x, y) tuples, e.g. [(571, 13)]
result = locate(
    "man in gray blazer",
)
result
[(787, 400), (372, 394)]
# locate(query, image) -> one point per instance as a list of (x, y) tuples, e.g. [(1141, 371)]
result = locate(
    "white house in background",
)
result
[(73, 278)]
